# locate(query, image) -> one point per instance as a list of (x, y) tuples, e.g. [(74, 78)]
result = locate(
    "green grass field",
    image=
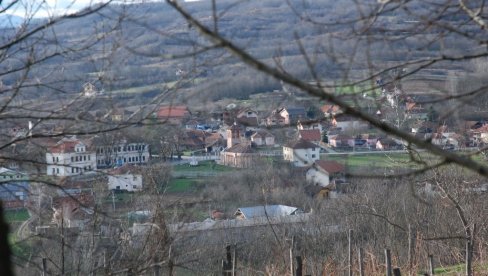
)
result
[(19, 249), (356, 89), (181, 185), (16, 215), (379, 160), (372, 160)]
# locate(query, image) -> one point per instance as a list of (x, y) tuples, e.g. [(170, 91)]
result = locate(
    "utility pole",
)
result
[(113, 200)]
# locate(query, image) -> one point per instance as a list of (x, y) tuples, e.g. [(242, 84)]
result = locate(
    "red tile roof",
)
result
[(64, 147), (174, 111), (301, 144), (330, 166), (310, 134)]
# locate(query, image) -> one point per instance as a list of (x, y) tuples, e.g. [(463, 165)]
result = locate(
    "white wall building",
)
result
[(126, 182), (323, 173), (70, 156), (301, 153), (122, 153)]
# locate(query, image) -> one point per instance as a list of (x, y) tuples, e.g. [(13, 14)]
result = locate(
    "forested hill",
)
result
[(140, 48)]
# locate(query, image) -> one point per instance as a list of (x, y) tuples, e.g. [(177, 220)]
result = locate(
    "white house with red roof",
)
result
[(311, 135), (70, 156), (301, 153), (323, 173)]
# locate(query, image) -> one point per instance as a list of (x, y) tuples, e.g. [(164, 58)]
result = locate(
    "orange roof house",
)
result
[(311, 135), (173, 113)]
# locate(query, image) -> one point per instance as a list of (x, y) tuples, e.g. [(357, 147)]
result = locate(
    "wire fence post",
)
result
[(349, 253), (431, 265), (361, 262), (388, 262)]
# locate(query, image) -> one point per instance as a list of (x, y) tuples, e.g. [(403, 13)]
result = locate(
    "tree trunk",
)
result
[(5, 253)]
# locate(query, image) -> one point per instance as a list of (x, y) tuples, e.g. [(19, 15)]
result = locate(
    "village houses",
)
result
[(301, 153)]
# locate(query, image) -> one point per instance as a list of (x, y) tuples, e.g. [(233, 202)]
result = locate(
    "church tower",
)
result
[(233, 135)]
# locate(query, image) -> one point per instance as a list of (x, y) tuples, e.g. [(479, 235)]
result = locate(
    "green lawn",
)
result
[(180, 185), (19, 249), (355, 89), (16, 215), (379, 160), (387, 160), (373, 160), (203, 166)]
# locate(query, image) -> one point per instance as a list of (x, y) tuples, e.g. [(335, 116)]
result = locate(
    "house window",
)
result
[(313, 155), (72, 159), (57, 159), (57, 170), (54, 159), (72, 170), (84, 157), (54, 172), (134, 186), (144, 158), (88, 157)]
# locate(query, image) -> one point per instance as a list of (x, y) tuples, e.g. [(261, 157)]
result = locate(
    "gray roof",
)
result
[(267, 210), (301, 144), (295, 110), (241, 148)]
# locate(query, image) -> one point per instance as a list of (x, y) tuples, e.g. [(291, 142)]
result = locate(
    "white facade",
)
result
[(125, 182), (263, 139), (315, 125), (301, 157), (121, 154), (317, 177), (69, 157), (285, 115)]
